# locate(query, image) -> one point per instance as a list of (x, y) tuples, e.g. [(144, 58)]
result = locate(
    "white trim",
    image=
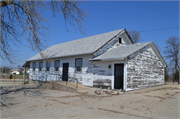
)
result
[(125, 75), (125, 36)]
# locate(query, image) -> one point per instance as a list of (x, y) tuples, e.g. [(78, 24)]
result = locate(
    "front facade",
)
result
[(105, 60)]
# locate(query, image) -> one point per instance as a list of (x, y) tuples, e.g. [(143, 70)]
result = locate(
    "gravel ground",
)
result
[(31, 102)]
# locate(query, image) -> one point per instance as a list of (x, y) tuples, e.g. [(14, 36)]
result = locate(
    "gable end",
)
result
[(113, 43)]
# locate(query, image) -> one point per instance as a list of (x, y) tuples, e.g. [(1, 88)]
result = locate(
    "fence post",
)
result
[(24, 73), (14, 78), (77, 84)]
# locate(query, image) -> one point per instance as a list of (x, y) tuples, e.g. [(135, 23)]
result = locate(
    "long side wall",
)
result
[(144, 70), (84, 77)]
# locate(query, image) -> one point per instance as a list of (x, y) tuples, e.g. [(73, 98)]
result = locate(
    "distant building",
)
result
[(15, 71)]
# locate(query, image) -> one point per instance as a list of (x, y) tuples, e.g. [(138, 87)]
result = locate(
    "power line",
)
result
[(159, 29)]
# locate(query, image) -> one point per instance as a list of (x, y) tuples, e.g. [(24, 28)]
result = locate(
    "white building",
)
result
[(104, 60), (15, 71)]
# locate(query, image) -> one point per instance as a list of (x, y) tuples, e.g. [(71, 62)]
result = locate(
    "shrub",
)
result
[(10, 76)]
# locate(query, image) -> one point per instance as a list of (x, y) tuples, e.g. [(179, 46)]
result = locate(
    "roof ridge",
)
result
[(87, 37), (86, 45)]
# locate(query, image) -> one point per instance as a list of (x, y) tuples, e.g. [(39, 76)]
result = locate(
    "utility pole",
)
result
[(2, 72)]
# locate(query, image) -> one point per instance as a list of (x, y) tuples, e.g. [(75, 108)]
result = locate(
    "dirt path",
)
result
[(30, 102)]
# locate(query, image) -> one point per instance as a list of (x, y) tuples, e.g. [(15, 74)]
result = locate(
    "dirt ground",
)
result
[(30, 102)]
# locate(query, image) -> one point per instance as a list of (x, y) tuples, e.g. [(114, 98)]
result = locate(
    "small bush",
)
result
[(165, 83), (10, 76)]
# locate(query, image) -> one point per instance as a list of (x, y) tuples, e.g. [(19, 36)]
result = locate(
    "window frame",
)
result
[(40, 68), (79, 66), (47, 68), (120, 40), (56, 68), (34, 66)]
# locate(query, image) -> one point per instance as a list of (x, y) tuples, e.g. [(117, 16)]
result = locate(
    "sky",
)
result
[(106, 16)]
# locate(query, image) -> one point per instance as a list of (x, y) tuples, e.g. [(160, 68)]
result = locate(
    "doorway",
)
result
[(118, 76), (65, 71)]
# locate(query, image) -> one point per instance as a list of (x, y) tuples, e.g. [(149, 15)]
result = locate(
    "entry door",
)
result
[(118, 76), (65, 71)]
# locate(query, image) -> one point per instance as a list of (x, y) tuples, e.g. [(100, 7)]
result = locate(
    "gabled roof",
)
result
[(82, 46), (120, 52)]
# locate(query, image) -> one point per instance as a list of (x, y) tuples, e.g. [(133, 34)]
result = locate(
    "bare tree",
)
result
[(135, 36), (157, 46), (24, 21), (166, 74), (5, 69), (20, 68), (172, 54)]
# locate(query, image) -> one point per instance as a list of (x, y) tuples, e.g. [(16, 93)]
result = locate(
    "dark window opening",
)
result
[(48, 66), (120, 40), (40, 66), (57, 63), (78, 64), (34, 66)]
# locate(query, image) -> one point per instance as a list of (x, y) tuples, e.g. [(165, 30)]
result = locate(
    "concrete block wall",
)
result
[(145, 70)]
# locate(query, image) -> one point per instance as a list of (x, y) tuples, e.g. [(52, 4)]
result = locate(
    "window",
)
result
[(40, 66), (78, 64), (48, 65), (34, 66), (120, 40), (57, 62)]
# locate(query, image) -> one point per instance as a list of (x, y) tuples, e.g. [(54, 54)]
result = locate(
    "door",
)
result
[(118, 76), (65, 71)]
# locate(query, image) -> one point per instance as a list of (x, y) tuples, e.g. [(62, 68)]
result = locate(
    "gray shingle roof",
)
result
[(86, 45), (121, 52)]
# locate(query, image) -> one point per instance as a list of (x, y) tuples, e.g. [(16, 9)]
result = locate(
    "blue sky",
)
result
[(106, 16)]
